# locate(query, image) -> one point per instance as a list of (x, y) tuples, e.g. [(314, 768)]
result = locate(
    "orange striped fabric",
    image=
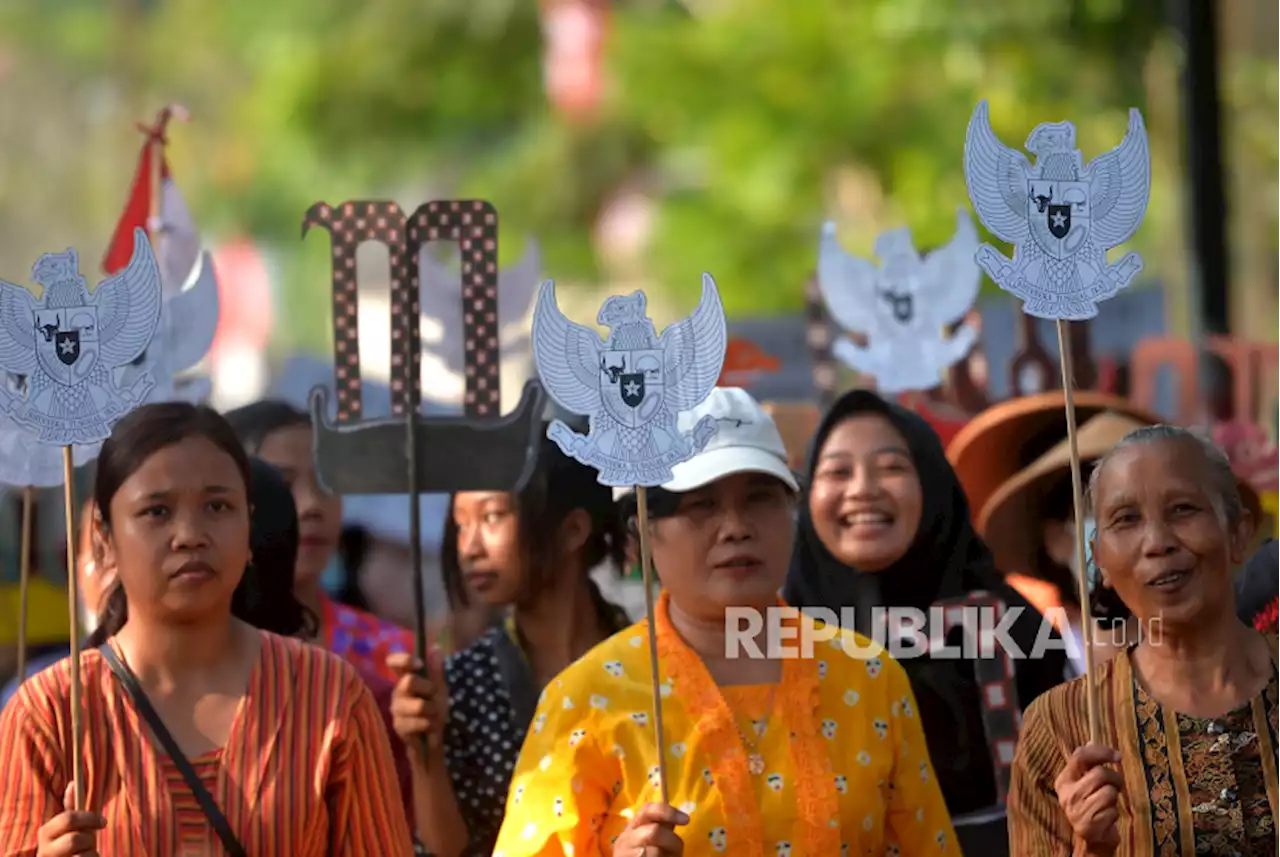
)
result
[(306, 771), (193, 827)]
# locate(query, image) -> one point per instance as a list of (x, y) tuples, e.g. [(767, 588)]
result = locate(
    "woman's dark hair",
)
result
[(353, 546), (558, 487), (253, 423), (267, 589), (135, 438)]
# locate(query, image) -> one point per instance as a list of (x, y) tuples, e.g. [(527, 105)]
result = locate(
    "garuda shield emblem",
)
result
[(1061, 215), (1058, 213), (69, 342), (631, 384), (68, 346)]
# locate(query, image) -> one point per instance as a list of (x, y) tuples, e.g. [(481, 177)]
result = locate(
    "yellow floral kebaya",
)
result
[(845, 769)]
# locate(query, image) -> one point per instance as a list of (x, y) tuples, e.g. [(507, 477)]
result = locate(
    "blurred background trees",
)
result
[(720, 143)]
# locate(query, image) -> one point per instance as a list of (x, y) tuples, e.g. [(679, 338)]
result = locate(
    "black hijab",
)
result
[(947, 559)]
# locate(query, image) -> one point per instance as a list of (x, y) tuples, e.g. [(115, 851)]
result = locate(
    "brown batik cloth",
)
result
[(1193, 785)]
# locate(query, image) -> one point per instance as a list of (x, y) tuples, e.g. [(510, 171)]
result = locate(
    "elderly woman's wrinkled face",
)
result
[(727, 545), (1162, 542)]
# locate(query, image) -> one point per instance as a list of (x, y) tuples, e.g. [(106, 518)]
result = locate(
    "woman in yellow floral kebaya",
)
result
[(812, 756)]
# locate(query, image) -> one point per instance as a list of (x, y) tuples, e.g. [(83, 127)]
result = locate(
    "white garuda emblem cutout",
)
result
[(69, 343), (1060, 215), (903, 307), (631, 384)]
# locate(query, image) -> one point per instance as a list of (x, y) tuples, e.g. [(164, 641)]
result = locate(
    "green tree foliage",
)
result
[(774, 107), (748, 126)]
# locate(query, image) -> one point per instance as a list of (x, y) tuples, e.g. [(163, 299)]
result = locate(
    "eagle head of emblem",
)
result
[(622, 309), (59, 273), (1052, 138), (900, 263)]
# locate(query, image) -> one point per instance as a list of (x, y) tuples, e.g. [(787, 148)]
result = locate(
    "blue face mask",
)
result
[(334, 576), (1091, 567)]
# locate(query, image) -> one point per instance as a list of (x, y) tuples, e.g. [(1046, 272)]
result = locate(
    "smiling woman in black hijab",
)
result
[(884, 524)]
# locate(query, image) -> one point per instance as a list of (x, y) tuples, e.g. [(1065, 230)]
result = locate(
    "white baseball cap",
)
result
[(746, 441)]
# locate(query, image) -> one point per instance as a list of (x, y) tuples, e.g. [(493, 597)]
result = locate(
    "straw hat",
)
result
[(1006, 438), (1012, 513)]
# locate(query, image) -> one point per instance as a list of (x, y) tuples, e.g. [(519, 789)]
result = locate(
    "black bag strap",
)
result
[(202, 796)]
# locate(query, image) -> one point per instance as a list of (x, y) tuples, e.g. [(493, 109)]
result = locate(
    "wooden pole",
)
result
[(73, 601), (24, 579), (646, 572), (1077, 490)]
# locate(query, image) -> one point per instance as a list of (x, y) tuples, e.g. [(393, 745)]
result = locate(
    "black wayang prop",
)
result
[(131, 686), (408, 453)]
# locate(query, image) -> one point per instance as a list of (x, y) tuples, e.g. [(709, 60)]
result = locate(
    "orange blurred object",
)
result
[(743, 360)]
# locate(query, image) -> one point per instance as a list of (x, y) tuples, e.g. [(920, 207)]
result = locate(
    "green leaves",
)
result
[(745, 127)]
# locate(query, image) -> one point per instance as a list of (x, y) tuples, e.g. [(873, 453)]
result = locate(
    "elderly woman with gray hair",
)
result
[(1186, 762)]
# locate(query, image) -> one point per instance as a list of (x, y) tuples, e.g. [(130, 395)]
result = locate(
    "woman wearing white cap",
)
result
[(819, 754)]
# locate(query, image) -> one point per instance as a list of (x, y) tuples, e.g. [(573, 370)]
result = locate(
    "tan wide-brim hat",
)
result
[(1006, 438), (1010, 520)]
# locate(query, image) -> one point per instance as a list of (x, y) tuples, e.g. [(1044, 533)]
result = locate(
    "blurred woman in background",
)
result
[(280, 434), (531, 554)]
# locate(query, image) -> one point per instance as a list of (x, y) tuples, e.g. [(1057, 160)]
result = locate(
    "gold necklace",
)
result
[(755, 760)]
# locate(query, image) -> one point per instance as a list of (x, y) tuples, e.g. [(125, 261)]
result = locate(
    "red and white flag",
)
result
[(178, 244)]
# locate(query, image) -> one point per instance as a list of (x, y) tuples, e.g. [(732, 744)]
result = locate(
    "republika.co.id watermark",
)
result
[(968, 633)]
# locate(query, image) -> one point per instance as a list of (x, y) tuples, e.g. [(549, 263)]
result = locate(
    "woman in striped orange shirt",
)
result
[(274, 747)]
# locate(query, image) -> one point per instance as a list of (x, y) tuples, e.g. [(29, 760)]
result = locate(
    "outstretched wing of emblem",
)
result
[(17, 329), (1119, 186), (997, 179), (952, 274), (567, 355), (129, 306), (847, 284), (693, 350), (193, 317)]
